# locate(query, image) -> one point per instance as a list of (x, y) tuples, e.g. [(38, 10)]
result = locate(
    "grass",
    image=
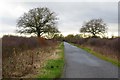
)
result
[(53, 67), (113, 61)]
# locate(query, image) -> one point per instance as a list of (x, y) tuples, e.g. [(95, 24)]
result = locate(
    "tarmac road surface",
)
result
[(81, 64)]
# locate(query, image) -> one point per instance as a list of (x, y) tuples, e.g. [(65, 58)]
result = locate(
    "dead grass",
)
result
[(22, 64), (105, 46), (28, 61), (104, 51), (53, 65)]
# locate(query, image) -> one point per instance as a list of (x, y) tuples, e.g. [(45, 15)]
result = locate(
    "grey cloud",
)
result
[(79, 11), (72, 15)]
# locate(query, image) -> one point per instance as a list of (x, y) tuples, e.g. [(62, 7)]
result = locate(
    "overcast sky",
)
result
[(71, 14)]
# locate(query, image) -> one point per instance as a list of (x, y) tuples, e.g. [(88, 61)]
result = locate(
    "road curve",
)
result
[(81, 64)]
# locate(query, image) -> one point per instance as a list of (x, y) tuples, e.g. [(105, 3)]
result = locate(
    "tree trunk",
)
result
[(94, 35), (38, 34)]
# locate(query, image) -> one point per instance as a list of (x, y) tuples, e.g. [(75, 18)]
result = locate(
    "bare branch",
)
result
[(38, 21), (94, 27)]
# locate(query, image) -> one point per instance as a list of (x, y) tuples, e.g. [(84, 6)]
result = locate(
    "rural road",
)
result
[(81, 64)]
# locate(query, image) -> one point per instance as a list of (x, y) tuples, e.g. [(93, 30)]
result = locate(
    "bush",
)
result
[(18, 44)]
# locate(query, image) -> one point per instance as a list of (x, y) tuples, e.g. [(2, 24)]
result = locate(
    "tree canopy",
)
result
[(95, 27), (38, 21)]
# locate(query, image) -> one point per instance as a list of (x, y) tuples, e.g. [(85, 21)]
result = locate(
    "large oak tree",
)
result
[(38, 21), (95, 27)]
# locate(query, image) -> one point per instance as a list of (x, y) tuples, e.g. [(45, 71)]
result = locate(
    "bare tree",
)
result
[(38, 21), (95, 27)]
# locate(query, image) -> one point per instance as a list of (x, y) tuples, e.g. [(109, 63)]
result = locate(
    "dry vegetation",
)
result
[(23, 56), (104, 46)]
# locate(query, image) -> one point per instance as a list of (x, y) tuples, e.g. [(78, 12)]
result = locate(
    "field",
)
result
[(23, 57)]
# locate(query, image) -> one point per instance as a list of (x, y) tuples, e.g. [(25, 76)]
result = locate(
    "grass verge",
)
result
[(53, 68), (113, 61)]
